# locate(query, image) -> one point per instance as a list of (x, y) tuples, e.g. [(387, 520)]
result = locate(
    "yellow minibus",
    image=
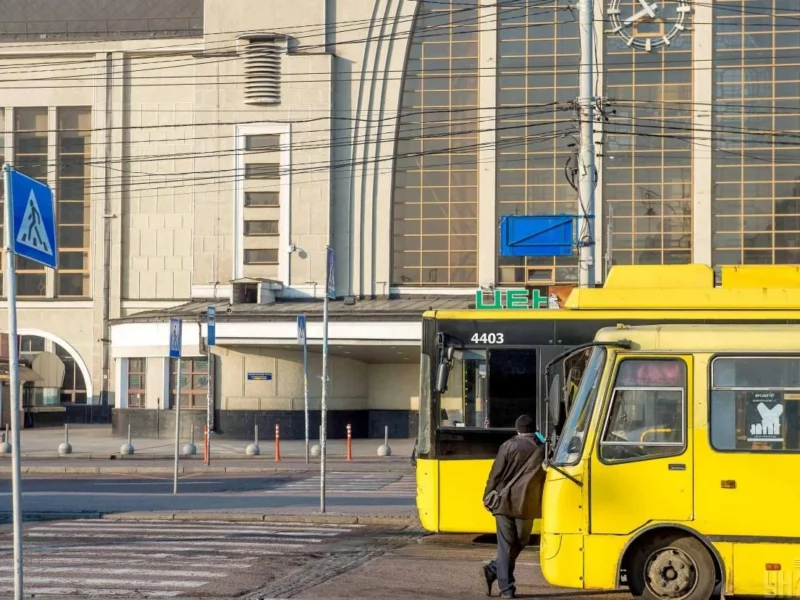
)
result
[(676, 472)]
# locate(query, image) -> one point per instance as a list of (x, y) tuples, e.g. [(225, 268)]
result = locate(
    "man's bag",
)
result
[(499, 502)]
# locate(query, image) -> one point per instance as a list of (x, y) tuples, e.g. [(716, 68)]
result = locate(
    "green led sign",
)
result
[(510, 299)]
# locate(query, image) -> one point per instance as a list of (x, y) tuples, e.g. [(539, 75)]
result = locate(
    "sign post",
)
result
[(211, 337), (30, 232), (175, 337), (302, 339), (330, 293)]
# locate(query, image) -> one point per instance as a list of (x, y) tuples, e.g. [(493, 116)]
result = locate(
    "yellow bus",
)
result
[(676, 471), (482, 367)]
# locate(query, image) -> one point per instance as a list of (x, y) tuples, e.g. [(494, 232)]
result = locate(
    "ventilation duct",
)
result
[(263, 69)]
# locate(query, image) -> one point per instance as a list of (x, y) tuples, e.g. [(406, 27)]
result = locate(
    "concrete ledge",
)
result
[(398, 521)]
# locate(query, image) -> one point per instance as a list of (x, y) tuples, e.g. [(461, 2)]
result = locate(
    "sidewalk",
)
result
[(95, 442)]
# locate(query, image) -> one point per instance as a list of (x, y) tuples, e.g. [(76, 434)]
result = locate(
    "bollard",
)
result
[(349, 443), (205, 444), (65, 447), (385, 450), (5, 447), (277, 442), (190, 449), (253, 449), (127, 449)]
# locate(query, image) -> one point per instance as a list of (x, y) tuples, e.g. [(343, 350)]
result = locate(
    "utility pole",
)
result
[(586, 168)]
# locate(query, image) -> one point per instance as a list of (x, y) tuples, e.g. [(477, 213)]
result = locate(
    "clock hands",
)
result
[(647, 11)]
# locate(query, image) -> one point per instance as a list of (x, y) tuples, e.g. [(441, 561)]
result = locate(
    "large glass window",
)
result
[(194, 383), (137, 382), (756, 156), (755, 404), (647, 151), (435, 200), (538, 56), (31, 159), (74, 153), (647, 414)]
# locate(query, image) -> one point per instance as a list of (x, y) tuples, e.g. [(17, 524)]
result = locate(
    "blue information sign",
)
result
[(175, 331), (259, 376), (211, 322), (33, 231)]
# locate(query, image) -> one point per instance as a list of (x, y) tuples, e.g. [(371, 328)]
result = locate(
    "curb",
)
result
[(257, 517), (5, 518), (190, 470)]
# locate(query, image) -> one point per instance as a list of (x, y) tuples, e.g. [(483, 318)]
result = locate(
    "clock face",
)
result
[(648, 24)]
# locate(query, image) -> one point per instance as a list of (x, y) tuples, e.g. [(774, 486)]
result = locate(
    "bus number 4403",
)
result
[(487, 338)]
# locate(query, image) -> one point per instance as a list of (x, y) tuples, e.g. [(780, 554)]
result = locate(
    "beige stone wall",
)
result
[(394, 387)]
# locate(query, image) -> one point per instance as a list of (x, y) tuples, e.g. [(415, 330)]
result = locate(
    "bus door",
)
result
[(642, 468)]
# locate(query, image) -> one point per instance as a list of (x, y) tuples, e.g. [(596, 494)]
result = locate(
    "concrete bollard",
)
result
[(127, 448), (65, 447), (5, 447), (385, 450), (253, 449), (190, 449)]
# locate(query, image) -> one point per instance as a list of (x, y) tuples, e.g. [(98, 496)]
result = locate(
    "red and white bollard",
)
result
[(349, 443), (277, 442)]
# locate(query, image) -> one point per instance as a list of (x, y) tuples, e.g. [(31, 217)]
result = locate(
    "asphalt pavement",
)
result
[(376, 494)]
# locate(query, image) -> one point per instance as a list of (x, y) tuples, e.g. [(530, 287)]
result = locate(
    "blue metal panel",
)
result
[(537, 235)]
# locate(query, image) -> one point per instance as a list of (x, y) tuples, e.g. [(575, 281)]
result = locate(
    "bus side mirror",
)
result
[(443, 370), (574, 445)]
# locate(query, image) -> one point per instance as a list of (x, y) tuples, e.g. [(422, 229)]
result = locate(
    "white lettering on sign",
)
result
[(487, 338)]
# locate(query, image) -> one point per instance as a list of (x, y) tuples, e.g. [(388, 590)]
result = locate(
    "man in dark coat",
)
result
[(519, 505)]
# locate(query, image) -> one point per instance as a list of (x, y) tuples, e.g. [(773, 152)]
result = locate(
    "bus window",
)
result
[(755, 404), (646, 417), (464, 404), (512, 392)]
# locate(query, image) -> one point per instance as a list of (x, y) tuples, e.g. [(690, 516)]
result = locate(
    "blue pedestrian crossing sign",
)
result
[(33, 231), (211, 323), (175, 338)]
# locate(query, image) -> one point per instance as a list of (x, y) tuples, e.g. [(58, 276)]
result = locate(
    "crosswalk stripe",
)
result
[(97, 558), (204, 530), (83, 592), (130, 583), (267, 539)]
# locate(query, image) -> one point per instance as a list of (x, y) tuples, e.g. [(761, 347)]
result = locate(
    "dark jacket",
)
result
[(524, 499)]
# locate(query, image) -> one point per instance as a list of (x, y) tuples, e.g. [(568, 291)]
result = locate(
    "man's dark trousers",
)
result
[(512, 536)]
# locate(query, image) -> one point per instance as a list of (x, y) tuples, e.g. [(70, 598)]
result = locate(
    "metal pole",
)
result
[(323, 427), (1, 408), (209, 408), (13, 378), (305, 386), (177, 427), (586, 168)]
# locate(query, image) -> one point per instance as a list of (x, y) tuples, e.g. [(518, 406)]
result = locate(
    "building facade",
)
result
[(208, 152)]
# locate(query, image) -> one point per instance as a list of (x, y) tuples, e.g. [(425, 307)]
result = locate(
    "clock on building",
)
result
[(648, 25)]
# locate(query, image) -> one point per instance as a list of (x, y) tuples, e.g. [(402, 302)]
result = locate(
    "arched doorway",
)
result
[(76, 387)]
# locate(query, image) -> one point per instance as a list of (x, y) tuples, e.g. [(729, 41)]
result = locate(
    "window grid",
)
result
[(435, 206), (74, 153), (137, 382), (647, 164), (538, 56), (31, 159), (756, 203), (73, 390), (194, 382)]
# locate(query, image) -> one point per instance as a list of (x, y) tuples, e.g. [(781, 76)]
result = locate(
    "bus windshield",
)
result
[(570, 444)]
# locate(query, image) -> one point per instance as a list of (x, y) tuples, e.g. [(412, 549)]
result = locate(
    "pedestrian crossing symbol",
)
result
[(32, 232), (175, 338)]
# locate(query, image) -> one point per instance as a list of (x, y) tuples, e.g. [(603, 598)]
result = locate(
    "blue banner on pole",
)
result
[(301, 329), (330, 283), (175, 334), (211, 322)]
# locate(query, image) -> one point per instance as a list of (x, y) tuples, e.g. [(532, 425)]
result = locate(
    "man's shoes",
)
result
[(487, 575), (508, 595)]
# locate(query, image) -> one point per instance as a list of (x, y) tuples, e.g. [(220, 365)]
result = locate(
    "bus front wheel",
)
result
[(672, 567)]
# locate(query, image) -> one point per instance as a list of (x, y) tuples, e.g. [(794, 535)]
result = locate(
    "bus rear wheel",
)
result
[(672, 567)]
